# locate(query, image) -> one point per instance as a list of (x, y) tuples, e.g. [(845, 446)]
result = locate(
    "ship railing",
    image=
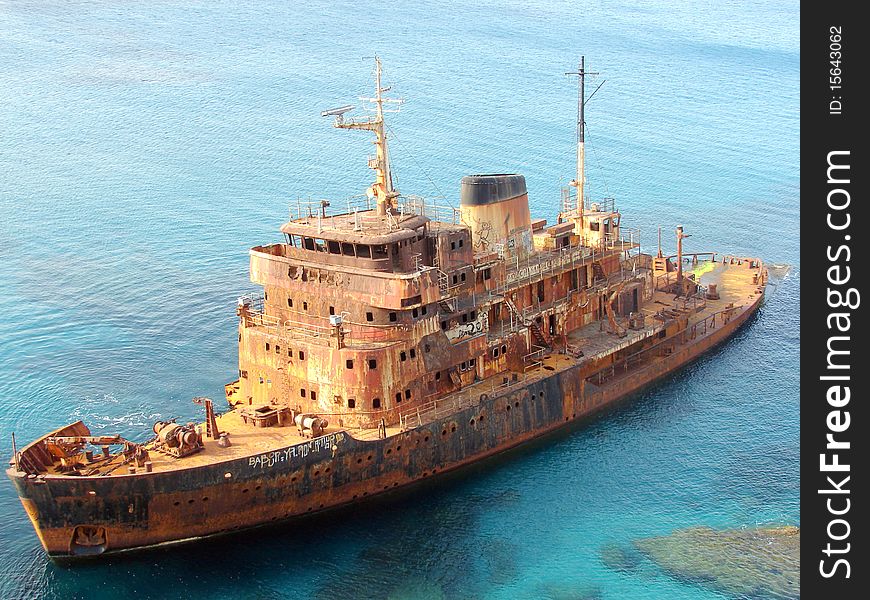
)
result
[(534, 359), (665, 345), (417, 205), (352, 332), (520, 272), (470, 395), (362, 208)]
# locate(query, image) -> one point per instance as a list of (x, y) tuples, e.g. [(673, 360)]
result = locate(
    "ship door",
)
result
[(552, 324)]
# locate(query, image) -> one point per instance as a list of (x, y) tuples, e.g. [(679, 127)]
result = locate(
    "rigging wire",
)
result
[(413, 158)]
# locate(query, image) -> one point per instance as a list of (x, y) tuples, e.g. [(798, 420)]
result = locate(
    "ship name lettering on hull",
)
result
[(270, 459)]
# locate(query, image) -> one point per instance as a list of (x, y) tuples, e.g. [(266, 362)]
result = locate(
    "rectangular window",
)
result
[(347, 249), (302, 393), (415, 313), (408, 394), (332, 310), (376, 402), (437, 375), (313, 395), (393, 317), (349, 363), (487, 274), (398, 397), (594, 226), (402, 356), (379, 251), (267, 346), (304, 306), (290, 352), (370, 317), (413, 353), (471, 362), (373, 364), (301, 355), (243, 374), (351, 403), (424, 310), (290, 302), (444, 325), (363, 251), (453, 245), (277, 349), (460, 243), (333, 247)]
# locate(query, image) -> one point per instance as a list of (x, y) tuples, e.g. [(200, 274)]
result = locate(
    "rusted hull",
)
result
[(147, 509)]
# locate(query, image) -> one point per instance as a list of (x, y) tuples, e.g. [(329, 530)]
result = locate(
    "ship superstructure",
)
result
[(394, 340)]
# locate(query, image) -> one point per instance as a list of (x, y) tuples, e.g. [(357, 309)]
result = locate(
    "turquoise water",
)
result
[(145, 147)]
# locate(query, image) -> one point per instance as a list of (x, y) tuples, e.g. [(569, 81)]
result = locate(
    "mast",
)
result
[(382, 190), (580, 179)]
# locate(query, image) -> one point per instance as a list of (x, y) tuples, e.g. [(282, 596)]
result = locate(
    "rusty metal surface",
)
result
[(388, 347)]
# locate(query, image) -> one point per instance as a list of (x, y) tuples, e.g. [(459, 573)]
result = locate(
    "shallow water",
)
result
[(144, 148)]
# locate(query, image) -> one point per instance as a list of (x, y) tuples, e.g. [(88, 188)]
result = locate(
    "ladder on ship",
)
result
[(537, 332)]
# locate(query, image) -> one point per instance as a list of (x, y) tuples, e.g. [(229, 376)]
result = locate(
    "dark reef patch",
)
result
[(745, 563)]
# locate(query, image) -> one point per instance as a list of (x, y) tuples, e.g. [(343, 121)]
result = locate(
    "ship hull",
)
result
[(137, 511)]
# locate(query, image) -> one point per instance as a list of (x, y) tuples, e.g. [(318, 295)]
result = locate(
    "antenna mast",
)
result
[(579, 181), (382, 189)]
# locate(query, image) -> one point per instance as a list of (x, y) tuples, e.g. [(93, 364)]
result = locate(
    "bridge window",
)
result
[(594, 226), (347, 249), (379, 251), (334, 247), (363, 251), (308, 243)]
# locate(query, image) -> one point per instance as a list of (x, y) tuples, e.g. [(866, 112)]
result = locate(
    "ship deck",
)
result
[(736, 288)]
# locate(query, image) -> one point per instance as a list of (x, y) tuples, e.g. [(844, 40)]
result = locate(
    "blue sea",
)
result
[(146, 146)]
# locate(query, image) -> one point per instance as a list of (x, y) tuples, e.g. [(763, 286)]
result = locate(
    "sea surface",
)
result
[(146, 146)]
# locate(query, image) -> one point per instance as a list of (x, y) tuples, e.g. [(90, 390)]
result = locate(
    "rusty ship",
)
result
[(395, 340)]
